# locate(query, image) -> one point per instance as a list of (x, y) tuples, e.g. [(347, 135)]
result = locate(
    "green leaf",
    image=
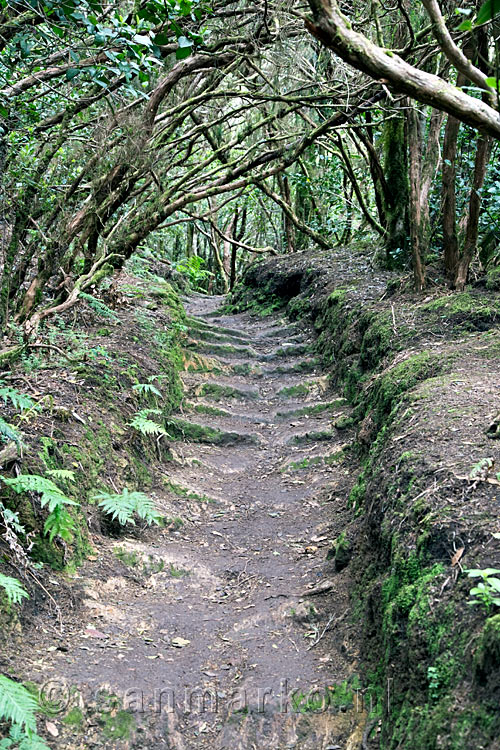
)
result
[(146, 388), (162, 38), (488, 11), (466, 26), (8, 432), (183, 41), (482, 573), (59, 523), (72, 73), (494, 83), (181, 54), (141, 39), (17, 399)]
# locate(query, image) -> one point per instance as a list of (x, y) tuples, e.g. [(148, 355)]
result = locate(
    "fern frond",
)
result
[(99, 307), (145, 508), (120, 506), (59, 523), (50, 493), (33, 742), (147, 388), (63, 474), (124, 505), (8, 432), (11, 519), (146, 426), (17, 704), (17, 399), (14, 589)]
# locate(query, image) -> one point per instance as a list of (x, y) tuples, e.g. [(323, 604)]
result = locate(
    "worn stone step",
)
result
[(224, 350), (218, 391), (188, 431), (312, 436)]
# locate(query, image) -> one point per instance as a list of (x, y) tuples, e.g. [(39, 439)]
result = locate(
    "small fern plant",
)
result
[(147, 389), (59, 522), (141, 421), (14, 589), (126, 505), (102, 310), (9, 433), (17, 399), (19, 706)]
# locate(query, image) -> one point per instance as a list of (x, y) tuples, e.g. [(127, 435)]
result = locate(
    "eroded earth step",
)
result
[(228, 628)]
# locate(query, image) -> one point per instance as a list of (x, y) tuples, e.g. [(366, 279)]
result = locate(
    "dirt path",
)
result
[(223, 604)]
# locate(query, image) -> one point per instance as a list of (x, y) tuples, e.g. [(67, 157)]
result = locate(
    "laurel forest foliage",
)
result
[(209, 134)]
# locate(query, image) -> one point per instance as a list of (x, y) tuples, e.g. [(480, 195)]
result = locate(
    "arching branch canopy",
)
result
[(334, 30)]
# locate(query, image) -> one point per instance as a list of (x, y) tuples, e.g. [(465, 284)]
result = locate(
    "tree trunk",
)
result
[(450, 237), (190, 240), (228, 245), (396, 176), (472, 225), (289, 226), (415, 208)]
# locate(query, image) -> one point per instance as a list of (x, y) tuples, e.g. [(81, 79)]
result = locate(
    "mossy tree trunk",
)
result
[(397, 194)]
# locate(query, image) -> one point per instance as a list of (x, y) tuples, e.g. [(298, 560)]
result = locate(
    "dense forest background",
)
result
[(209, 134)]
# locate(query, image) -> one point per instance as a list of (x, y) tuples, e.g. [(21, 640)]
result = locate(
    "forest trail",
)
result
[(223, 604)]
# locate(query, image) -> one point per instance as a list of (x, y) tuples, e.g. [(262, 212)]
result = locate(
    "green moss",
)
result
[(340, 552), (117, 725), (357, 494), (313, 410), (260, 302), (396, 175), (189, 494), (487, 655), (306, 365), (378, 339), (211, 337), (399, 380), (218, 392), (246, 368), (165, 292), (295, 390), (344, 422), (181, 429), (465, 310), (130, 558), (206, 409), (74, 717), (225, 349), (201, 325), (298, 308), (291, 351), (493, 279), (312, 437)]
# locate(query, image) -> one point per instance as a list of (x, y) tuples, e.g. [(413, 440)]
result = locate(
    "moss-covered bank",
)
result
[(422, 375), (89, 387)]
